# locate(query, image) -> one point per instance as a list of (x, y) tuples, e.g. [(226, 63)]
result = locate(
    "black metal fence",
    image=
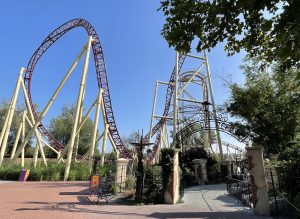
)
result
[(240, 190), (279, 204)]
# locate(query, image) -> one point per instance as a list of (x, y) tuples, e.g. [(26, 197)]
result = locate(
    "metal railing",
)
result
[(279, 204), (240, 190)]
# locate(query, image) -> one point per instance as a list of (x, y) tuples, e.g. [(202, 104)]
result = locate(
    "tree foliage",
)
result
[(61, 129), (16, 121), (267, 106), (269, 29)]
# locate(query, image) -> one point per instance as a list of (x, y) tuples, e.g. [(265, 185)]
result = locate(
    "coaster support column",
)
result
[(81, 89)]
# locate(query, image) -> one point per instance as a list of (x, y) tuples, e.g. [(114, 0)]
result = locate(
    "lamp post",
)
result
[(140, 169), (207, 122)]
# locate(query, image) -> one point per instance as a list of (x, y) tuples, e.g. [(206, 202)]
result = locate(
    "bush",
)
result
[(288, 169), (153, 184), (82, 171), (53, 172), (72, 175), (130, 183), (36, 174), (10, 172), (106, 169)]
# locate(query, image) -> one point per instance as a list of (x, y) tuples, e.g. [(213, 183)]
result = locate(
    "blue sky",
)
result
[(136, 55)]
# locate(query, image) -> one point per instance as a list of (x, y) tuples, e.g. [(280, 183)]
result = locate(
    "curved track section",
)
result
[(101, 78), (157, 127)]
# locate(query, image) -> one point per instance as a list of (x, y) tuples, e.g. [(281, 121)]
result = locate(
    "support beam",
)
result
[(196, 57), (104, 144), (191, 101), (190, 79), (213, 106), (79, 121), (96, 120), (35, 154), (162, 117), (175, 101), (16, 141), (47, 107), (23, 137), (10, 114), (153, 110), (37, 135), (81, 89)]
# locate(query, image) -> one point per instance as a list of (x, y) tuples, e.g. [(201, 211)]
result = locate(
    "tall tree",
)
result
[(269, 29), (267, 106), (61, 129)]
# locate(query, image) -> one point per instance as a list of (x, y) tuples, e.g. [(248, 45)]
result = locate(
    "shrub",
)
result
[(72, 175), (154, 185), (130, 183), (106, 169), (10, 172), (82, 171)]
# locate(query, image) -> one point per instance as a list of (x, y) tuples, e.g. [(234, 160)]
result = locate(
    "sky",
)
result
[(136, 55)]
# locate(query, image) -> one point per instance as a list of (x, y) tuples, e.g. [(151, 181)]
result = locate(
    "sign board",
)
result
[(24, 175), (94, 183)]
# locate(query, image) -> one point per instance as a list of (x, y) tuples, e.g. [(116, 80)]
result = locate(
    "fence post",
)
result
[(249, 197), (274, 192)]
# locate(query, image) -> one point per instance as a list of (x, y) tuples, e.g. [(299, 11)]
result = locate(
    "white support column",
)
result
[(47, 107), (153, 110), (167, 135), (96, 120), (37, 135), (104, 144), (175, 101), (82, 85), (35, 155), (16, 141), (10, 114), (213, 105), (79, 121), (23, 137)]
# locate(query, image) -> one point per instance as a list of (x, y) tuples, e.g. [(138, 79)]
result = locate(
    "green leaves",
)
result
[(266, 29), (61, 128), (268, 106)]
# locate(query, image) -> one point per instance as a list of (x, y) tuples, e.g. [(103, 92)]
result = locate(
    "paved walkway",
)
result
[(69, 200), (5, 181)]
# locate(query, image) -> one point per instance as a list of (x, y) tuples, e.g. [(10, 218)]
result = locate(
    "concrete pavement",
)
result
[(69, 200)]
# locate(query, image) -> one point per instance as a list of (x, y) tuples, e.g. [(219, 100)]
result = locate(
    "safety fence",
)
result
[(280, 206), (240, 190)]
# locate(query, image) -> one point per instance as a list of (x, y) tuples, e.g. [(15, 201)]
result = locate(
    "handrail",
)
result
[(287, 200)]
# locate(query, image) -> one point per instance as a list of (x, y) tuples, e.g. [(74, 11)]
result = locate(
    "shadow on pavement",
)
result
[(210, 215)]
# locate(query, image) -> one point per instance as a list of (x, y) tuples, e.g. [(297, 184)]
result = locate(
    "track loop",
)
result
[(101, 78)]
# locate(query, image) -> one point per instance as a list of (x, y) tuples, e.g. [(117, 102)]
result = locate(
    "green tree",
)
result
[(17, 120), (61, 129), (269, 29), (267, 106)]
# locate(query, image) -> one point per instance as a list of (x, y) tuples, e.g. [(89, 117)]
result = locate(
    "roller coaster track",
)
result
[(101, 78), (157, 127)]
